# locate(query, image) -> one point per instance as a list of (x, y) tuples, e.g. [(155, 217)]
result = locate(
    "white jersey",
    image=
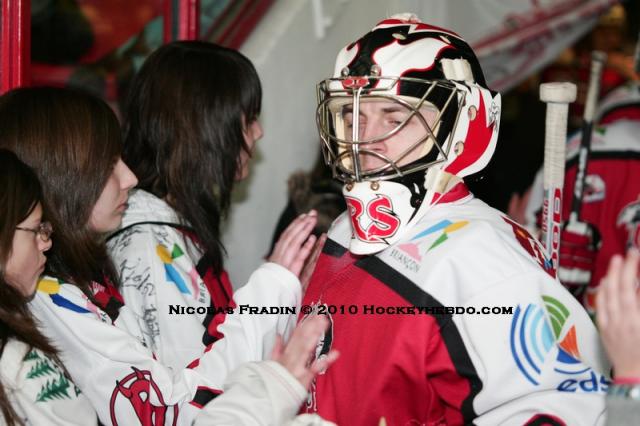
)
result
[(260, 394), (39, 391), (433, 308), (124, 380), (161, 271)]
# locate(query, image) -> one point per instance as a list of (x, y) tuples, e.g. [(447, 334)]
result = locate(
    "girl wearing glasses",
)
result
[(34, 387), (72, 141)]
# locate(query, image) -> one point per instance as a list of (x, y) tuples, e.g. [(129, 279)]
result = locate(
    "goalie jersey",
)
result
[(462, 321)]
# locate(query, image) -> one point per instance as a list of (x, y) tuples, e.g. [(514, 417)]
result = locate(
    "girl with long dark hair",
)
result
[(191, 124), (72, 141), (34, 388)]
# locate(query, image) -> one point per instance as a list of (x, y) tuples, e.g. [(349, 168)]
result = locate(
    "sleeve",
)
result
[(539, 363), (39, 391), (140, 274), (262, 393), (119, 376), (113, 369), (171, 303), (265, 306)]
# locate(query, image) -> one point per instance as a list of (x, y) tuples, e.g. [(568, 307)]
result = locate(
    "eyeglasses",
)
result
[(44, 230)]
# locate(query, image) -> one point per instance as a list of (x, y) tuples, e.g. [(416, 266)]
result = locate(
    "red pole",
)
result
[(181, 20), (15, 44), (189, 23)]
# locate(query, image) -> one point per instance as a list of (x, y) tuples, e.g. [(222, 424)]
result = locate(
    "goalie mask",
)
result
[(405, 117)]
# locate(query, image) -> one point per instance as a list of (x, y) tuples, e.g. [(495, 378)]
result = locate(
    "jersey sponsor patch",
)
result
[(416, 247), (544, 348)]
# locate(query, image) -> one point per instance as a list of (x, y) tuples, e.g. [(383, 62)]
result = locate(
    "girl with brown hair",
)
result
[(191, 125), (34, 388), (72, 142)]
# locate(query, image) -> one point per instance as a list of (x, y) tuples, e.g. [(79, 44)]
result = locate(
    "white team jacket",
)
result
[(156, 264), (259, 394), (113, 363), (39, 391)]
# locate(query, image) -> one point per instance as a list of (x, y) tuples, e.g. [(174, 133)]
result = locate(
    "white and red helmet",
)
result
[(406, 115)]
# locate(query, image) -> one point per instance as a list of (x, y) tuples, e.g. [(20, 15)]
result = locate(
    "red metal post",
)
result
[(15, 44), (181, 20), (189, 22)]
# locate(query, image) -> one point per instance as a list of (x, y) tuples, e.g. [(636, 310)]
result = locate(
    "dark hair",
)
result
[(72, 141), (184, 122), (20, 193)]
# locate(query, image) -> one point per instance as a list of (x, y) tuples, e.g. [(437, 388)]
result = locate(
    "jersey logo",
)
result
[(53, 383), (169, 261), (630, 218), (531, 246), (545, 420), (595, 189), (412, 248), (542, 348), (374, 223), (322, 349), (144, 397), (53, 287)]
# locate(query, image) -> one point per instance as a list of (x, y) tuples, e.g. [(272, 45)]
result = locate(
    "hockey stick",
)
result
[(598, 60), (557, 96), (582, 235)]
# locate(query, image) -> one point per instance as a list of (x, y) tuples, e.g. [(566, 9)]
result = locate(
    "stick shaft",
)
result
[(597, 63), (554, 160), (557, 96)]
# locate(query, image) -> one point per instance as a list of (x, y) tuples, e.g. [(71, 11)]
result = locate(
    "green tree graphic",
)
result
[(55, 389), (42, 368), (31, 355)]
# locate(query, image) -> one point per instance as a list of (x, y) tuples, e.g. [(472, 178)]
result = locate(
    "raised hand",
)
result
[(618, 314), (310, 265), (296, 243), (296, 356)]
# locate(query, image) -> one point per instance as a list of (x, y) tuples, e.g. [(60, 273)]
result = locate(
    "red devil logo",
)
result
[(140, 389), (384, 222)]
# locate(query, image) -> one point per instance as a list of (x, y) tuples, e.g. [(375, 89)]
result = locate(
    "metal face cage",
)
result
[(370, 132)]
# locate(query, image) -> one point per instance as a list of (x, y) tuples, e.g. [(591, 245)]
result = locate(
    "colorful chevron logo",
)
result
[(52, 286), (446, 226), (172, 273)]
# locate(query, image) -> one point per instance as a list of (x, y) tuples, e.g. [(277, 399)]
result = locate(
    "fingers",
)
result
[(627, 285), (618, 314), (306, 336), (310, 265), (611, 284), (300, 349), (294, 246), (301, 256), (606, 299), (323, 363), (318, 248), (297, 226)]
